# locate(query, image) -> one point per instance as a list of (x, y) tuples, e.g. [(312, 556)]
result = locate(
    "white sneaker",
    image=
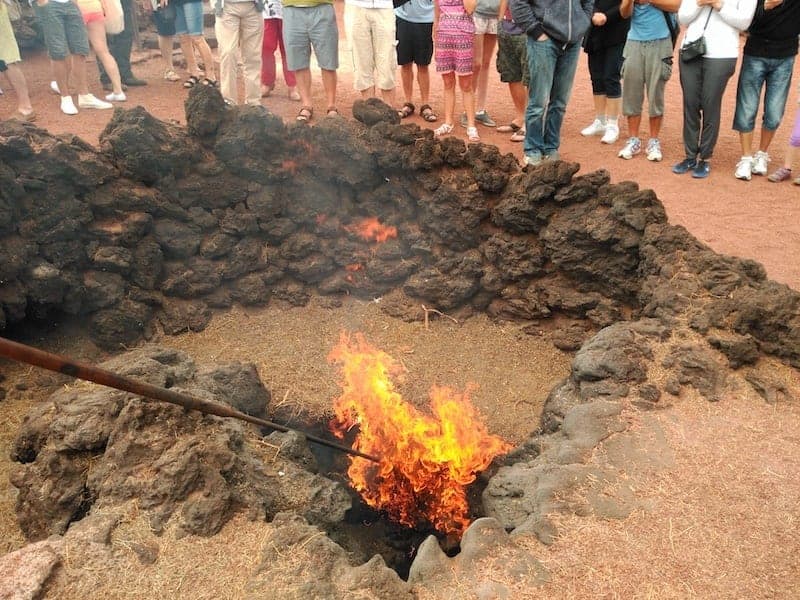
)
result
[(632, 147), (611, 135), (68, 106), (90, 101), (596, 128), (54, 88), (760, 163), (654, 150), (744, 168), (112, 97)]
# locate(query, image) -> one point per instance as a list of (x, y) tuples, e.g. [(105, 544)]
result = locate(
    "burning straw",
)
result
[(426, 460)]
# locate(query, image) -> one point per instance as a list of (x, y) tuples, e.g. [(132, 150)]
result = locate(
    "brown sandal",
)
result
[(305, 115), (407, 110), (426, 112)]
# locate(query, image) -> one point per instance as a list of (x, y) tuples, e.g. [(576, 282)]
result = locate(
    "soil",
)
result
[(721, 520)]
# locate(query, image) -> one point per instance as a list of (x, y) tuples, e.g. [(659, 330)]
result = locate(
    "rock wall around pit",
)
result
[(163, 224)]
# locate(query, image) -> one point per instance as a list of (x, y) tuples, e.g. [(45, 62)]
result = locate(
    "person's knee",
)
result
[(465, 83)]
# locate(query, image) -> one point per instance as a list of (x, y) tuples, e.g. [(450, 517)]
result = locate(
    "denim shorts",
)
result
[(189, 18), (773, 74), (164, 18), (63, 28)]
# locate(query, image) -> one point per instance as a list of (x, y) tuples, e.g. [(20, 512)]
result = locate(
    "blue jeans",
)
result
[(773, 74), (552, 71)]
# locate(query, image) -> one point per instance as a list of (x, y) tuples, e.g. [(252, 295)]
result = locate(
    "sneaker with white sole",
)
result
[(112, 97), (54, 88), (654, 150), (596, 128), (744, 168), (611, 135), (534, 158), (632, 147), (68, 106), (483, 118), (90, 101), (760, 163)]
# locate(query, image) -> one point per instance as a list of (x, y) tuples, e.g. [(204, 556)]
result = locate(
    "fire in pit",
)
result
[(372, 230), (427, 460)]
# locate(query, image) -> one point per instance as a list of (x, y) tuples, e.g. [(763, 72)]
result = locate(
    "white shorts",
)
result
[(485, 24)]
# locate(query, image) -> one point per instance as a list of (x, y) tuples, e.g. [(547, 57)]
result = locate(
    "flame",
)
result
[(426, 460), (372, 230)]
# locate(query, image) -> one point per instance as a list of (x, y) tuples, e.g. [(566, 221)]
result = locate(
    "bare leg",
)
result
[(519, 95), (407, 79), (389, 96), (205, 53), (634, 123), (303, 77), (766, 139), (477, 59), (79, 71), (329, 85), (20, 85), (97, 38), (165, 45), (613, 107), (449, 80), (655, 126), (61, 69), (481, 85), (746, 142), (187, 47), (465, 83), (368, 92), (600, 106)]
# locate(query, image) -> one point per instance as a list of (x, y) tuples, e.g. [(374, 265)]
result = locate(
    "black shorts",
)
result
[(414, 42)]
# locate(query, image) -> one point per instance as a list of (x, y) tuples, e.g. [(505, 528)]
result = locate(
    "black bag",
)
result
[(694, 49)]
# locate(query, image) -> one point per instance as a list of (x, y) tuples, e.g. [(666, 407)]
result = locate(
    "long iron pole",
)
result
[(60, 364)]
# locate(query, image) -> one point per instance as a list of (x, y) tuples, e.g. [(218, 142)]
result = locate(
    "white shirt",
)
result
[(724, 25)]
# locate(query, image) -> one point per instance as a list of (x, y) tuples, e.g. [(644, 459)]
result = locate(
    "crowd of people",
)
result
[(630, 47)]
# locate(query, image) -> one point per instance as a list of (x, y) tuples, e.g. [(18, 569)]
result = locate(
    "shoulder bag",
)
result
[(696, 48)]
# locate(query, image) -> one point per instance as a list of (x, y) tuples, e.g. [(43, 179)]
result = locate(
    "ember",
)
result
[(426, 460), (371, 230)]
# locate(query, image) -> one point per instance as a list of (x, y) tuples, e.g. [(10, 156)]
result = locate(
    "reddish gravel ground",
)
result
[(755, 219)]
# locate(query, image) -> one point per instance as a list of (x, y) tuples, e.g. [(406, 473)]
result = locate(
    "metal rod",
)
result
[(59, 364)]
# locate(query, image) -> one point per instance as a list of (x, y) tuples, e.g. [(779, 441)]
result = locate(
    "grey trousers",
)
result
[(703, 82)]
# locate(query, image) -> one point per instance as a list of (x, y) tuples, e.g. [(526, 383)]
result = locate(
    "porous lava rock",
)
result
[(94, 449)]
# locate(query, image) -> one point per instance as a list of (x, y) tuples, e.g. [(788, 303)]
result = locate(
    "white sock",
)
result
[(601, 118), (612, 122)]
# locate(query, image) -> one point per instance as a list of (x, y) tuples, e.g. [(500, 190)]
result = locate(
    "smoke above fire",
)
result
[(426, 460)]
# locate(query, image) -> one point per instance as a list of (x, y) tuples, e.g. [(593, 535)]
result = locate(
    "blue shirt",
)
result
[(415, 11), (648, 23)]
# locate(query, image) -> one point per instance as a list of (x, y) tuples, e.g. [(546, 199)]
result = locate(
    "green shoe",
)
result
[(483, 118)]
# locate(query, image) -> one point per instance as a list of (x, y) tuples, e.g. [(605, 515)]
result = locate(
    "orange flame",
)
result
[(372, 230), (426, 460)]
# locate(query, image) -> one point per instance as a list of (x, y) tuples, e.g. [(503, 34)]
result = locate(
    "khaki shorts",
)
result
[(485, 25), (9, 51), (371, 34)]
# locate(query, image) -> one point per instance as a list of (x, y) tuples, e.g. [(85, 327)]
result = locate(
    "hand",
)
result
[(599, 19), (770, 4), (42, 2), (542, 38)]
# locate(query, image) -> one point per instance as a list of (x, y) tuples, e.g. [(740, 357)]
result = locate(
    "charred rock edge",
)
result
[(163, 224)]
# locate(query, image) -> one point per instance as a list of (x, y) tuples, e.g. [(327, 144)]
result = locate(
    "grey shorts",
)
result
[(63, 29), (646, 66), (305, 27)]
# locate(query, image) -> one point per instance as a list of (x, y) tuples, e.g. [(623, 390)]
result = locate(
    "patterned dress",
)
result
[(454, 37)]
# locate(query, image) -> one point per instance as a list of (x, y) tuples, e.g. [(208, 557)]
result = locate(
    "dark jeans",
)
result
[(703, 81), (120, 46)]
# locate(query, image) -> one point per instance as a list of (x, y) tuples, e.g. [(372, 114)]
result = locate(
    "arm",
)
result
[(501, 11), (522, 13), (688, 11), (626, 9), (736, 14)]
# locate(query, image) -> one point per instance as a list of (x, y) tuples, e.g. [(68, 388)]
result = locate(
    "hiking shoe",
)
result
[(68, 106), (483, 118), (744, 168), (596, 128), (702, 169), (90, 101), (654, 150), (611, 135), (782, 174), (760, 163), (631, 148), (133, 81), (686, 165)]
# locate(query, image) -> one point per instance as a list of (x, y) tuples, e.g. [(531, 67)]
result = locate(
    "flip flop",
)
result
[(305, 115), (407, 110), (191, 82), (426, 112), (510, 128)]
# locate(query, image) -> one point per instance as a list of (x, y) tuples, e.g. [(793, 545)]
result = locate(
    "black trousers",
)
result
[(120, 45), (703, 81)]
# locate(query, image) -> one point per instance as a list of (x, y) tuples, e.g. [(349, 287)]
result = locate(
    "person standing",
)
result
[(65, 38), (370, 27), (93, 17), (648, 66), (767, 64), (239, 26), (311, 24), (486, 19), (704, 78), (603, 44), (9, 64), (414, 26), (785, 172), (120, 46), (555, 29), (512, 65), (164, 19)]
